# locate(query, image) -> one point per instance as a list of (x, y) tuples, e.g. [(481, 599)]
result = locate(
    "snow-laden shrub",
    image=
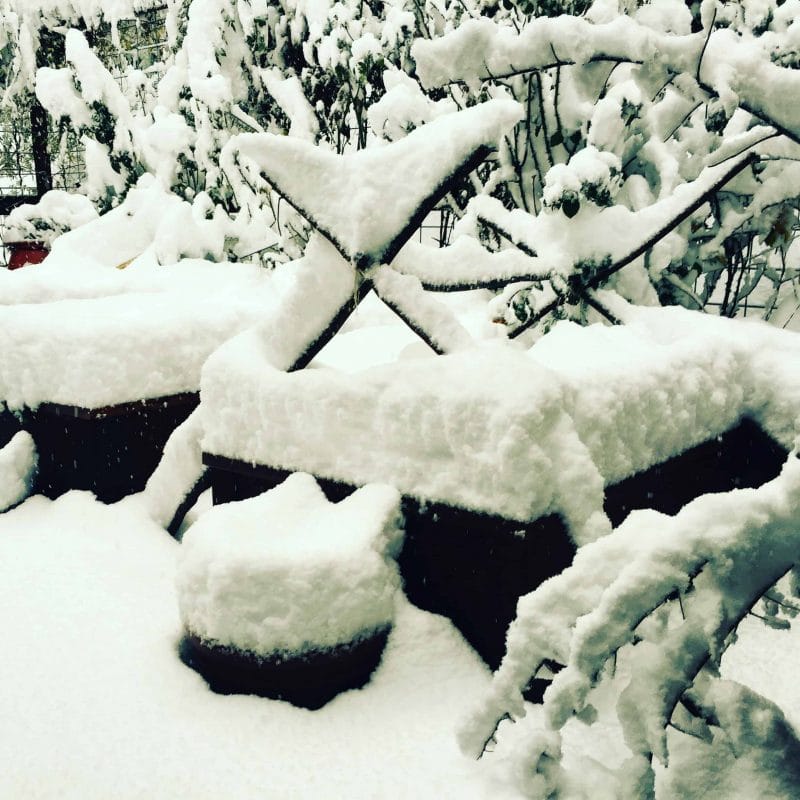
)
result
[(56, 213), (660, 91), (647, 613), (245, 66)]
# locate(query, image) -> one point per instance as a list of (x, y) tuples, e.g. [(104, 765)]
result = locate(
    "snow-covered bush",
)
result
[(646, 613), (624, 104), (309, 71), (31, 31), (56, 213), (32, 37)]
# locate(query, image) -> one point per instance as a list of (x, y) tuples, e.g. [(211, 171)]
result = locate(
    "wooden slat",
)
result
[(120, 409)]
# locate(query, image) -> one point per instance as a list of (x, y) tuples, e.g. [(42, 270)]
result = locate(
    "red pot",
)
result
[(23, 253)]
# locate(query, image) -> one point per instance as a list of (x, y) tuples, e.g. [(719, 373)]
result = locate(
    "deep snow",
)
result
[(96, 704)]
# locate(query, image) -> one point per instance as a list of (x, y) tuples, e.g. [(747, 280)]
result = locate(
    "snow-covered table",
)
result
[(507, 458)]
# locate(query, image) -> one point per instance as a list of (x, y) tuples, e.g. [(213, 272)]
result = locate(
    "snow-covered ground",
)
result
[(96, 703)]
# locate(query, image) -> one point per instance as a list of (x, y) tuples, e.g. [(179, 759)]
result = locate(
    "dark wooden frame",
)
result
[(110, 451)]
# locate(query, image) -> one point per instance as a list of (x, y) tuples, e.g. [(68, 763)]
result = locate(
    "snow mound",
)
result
[(289, 571)]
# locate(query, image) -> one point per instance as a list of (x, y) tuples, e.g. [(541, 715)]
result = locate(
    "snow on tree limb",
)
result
[(736, 69), (481, 50), (541, 632), (738, 545), (654, 222), (713, 560), (465, 265), (626, 235), (739, 71), (622, 234)]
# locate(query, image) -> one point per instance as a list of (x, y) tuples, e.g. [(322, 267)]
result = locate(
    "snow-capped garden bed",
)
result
[(101, 364), (509, 459), (510, 432)]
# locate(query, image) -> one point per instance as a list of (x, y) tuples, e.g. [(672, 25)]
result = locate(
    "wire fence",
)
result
[(142, 46)]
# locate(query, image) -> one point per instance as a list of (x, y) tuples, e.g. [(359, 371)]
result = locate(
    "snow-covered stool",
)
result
[(509, 459), (288, 596), (101, 365)]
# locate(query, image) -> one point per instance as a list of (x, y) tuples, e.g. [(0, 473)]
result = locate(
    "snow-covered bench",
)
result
[(506, 458)]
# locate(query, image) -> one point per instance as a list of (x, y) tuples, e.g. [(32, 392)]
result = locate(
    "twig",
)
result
[(537, 317), (592, 301), (705, 45), (543, 112), (502, 232), (602, 275), (491, 739), (598, 58), (782, 603), (555, 104)]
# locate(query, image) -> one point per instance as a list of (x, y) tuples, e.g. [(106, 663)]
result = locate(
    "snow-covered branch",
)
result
[(627, 235), (481, 49), (736, 69), (712, 561), (466, 265)]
